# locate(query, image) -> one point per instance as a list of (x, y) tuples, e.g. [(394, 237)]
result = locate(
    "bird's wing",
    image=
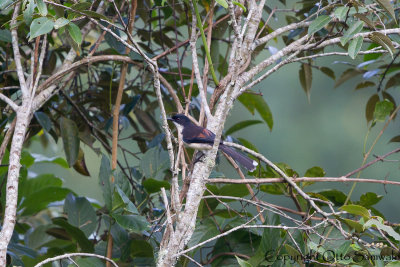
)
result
[(198, 134)]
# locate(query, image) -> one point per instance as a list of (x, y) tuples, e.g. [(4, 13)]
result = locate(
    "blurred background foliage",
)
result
[(67, 202)]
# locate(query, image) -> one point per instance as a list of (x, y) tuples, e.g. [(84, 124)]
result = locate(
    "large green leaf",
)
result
[(341, 12), (378, 223), (129, 206), (80, 213), (28, 8), (256, 102), (41, 199), (153, 186), (133, 223), (357, 210), (154, 162), (70, 136), (40, 26)]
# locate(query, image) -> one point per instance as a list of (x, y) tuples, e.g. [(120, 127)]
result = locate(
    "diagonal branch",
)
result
[(9, 102)]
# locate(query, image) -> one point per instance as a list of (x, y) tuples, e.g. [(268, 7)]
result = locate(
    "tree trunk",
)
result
[(23, 120)]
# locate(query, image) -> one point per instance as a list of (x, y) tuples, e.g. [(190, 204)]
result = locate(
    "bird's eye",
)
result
[(178, 119)]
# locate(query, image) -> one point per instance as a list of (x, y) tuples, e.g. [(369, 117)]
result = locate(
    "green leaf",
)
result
[(388, 7), (223, 3), (336, 196), (70, 136), (341, 12), (383, 109), (395, 139), (243, 263), (80, 213), (44, 120), (80, 164), (153, 186), (28, 7), (370, 107), (234, 190), (353, 30), (315, 172), (378, 224), (358, 227), (154, 162), (346, 75), (318, 24), (39, 200), (39, 158), (5, 36), (329, 72), (241, 125), (27, 159), (256, 102), (75, 33), (355, 46), (368, 199), (393, 81), (60, 22), (128, 203), (74, 232), (105, 183), (365, 19), (239, 5), (364, 85), (141, 248), (94, 14), (40, 26), (356, 210), (384, 41), (41, 7), (305, 75), (134, 223), (203, 231), (30, 186)]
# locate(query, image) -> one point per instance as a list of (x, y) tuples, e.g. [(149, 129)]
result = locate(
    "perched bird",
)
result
[(200, 138)]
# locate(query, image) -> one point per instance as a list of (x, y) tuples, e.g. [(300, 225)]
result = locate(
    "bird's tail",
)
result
[(247, 162)]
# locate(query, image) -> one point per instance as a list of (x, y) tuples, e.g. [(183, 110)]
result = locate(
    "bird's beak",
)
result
[(170, 119)]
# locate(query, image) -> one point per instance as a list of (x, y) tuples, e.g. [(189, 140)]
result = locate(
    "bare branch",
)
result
[(268, 180), (66, 256), (9, 102), (17, 55)]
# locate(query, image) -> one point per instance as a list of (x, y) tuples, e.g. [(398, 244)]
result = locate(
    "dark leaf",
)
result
[(305, 75), (70, 136), (76, 234), (255, 102), (133, 223), (329, 72), (241, 125), (80, 164), (80, 213), (105, 181), (369, 110), (348, 74), (153, 186)]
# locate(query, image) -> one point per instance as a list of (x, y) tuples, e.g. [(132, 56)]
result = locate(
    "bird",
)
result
[(200, 138)]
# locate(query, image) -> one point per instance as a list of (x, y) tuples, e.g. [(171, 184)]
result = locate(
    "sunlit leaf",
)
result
[(60, 22), (356, 210), (383, 109), (223, 3), (40, 26)]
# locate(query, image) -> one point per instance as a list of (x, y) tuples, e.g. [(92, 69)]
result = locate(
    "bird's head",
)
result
[(180, 119)]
